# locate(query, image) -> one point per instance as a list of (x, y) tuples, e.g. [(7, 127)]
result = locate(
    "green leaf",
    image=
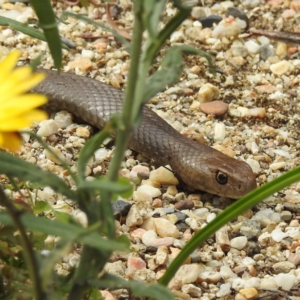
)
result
[(152, 15), (24, 28), (139, 288), (40, 207), (171, 67), (15, 167), (44, 12), (121, 187), (66, 230)]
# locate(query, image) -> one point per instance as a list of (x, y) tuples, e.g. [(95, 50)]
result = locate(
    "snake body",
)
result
[(197, 165)]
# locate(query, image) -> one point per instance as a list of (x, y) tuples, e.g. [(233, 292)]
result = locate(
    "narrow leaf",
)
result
[(15, 167), (171, 67), (44, 12), (139, 288), (66, 230)]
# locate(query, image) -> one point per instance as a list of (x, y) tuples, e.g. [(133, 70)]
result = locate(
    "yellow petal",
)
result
[(24, 86), (22, 121), (19, 105), (12, 81), (10, 140), (8, 64)]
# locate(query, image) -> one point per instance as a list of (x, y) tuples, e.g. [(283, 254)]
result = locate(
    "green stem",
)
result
[(28, 252), (126, 126), (122, 139)]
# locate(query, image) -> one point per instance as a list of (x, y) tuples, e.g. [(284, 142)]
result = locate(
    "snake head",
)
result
[(230, 177), (216, 173)]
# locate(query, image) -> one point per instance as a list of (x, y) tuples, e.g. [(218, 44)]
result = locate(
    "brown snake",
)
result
[(197, 165)]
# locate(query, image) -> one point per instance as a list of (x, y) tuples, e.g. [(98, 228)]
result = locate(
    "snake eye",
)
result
[(221, 178)]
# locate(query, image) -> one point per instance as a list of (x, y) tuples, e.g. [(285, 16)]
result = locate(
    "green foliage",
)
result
[(44, 12), (94, 198)]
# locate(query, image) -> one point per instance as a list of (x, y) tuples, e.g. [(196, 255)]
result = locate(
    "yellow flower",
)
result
[(17, 109)]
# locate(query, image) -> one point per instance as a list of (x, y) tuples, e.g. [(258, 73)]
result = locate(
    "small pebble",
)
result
[(163, 176), (165, 228), (184, 204), (101, 154), (265, 51), (150, 190), (84, 64), (239, 242), (285, 281), (186, 274), (225, 290), (249, 293), (63, 119), (208, 92), (281, 68), (283, 267), (268, 284), (83, 132), (47, 128), (215, 108)]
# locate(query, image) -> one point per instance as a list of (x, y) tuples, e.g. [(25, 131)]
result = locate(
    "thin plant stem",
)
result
[(28, 252)]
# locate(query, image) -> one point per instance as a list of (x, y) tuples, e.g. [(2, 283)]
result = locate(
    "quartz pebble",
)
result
[(47, 128), (229, 28), (163, 176), (149, 190), (281, 68), (225, 289), (208, 92), (285, 281), (239, 242), (186, 274), (283, 267), (63, 119)]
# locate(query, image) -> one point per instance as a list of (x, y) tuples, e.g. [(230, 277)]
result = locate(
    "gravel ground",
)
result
[(256, 119)]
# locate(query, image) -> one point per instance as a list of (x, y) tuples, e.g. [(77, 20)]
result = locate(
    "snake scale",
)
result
[(197, 165)]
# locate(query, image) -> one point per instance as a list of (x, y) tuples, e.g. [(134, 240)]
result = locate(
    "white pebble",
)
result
[(101, 154), (285, 281), (63, 119), (254, 164), (176, 37), (251, 46), (252, 282), (210, 217), (150, 190), (163, 176), (268, 284), (148, 237), (165, 228), (220, 132), (282, 67), (225, 289), (277, 235), (227, 273), (239, 242), (228, 29), (87, 54), (47, 128), (278, 165)]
